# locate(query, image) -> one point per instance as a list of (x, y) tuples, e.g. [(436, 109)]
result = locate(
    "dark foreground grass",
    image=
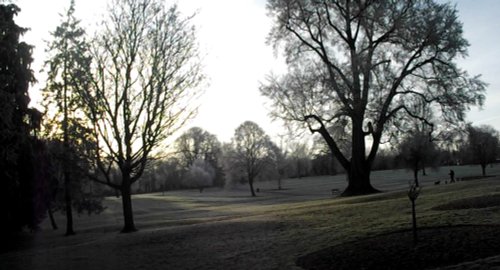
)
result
[(437, 247)]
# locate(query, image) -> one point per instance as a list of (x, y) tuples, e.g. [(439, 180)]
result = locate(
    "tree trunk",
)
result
[(359, 181), (67, 186), (69, 209), (298, 169), (250, 181), (52, 220), (128, 215), (359, 170), (423, 171), (483, 168), (414, 221), (415, 176)]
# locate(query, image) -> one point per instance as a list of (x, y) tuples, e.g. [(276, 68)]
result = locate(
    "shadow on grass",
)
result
[(220, 245), (437, 247)]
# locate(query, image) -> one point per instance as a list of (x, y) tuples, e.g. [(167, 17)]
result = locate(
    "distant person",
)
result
[(452, 176)]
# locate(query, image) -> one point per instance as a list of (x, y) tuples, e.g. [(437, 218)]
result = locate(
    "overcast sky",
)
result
[(232, 36)]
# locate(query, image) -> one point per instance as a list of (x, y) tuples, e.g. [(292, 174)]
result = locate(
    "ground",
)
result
[(227, 229), (436, 247)]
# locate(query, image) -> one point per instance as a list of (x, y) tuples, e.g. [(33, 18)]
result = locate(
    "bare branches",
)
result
[(328, 138), (251, 150), (146, 74), (375, 59), (316, 42)]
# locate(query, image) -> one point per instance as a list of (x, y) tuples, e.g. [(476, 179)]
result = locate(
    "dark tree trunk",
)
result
[(67, 185), (69, 209), (483, 168), (415, 176), (358, 168), (359, 171), (359, 182), (299, 175), (414, 222), (128, 215), (250, 181), (52, 220), (423, 171)]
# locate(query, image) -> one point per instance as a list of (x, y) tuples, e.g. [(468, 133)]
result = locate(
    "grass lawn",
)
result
[(229, 230)]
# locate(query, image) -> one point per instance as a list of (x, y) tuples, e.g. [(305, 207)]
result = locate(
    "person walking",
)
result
[(452, 176)]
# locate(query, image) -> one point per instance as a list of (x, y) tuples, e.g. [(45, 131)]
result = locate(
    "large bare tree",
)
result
[(362, 66), (146, 73)]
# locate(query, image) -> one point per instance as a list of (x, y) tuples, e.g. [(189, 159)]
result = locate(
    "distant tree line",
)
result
[(416, 151), (419, 150), (226, 163)]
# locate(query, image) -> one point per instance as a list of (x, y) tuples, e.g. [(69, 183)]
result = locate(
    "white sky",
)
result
[(232, 36)]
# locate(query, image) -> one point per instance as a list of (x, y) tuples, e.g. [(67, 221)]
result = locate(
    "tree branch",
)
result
[(328, 138)]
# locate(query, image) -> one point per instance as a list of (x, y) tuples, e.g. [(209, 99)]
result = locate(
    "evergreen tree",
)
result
[(68, 70), (18, 173)]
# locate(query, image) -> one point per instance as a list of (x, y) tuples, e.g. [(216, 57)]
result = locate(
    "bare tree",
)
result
[(413, 193), (146, 73), (196, 144), (483, 145), (200, 175), (279, 163), (167, 172), (361, 66), (416, 151), (300, 158), (252, 151)]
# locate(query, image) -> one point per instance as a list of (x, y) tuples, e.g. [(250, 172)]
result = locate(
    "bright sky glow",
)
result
[(232, 37)]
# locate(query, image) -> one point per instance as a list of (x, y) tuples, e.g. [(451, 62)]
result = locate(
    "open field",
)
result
[(227, 229)]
